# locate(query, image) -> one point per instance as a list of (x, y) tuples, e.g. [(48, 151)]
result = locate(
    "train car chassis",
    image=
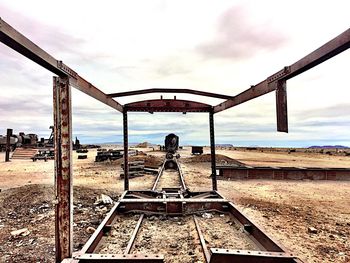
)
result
[(169, 201), (182, 202)]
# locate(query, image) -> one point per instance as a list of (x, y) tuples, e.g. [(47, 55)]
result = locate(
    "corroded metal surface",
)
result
[(327, 51), (63, 168), (188, 91), (281, 106), (167, 105), (212, 151), (15, 40), (126, 150)]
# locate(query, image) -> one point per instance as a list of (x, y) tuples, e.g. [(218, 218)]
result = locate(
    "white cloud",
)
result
[(127, 45)]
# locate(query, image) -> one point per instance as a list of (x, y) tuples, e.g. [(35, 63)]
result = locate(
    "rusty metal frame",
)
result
[(62, 111), (126, 150), (325, 52), (63, 159), (167, 105), (212, 151), (190, 204), (15, 40), (169, 90)]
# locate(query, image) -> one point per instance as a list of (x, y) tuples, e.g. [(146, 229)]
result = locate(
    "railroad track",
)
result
[(169, 223)]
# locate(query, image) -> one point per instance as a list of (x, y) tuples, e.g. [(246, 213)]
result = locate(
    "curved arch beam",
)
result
[(189, 91), (167, 105)]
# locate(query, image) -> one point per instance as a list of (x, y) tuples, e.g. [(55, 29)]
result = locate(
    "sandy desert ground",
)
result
[(285, 209)]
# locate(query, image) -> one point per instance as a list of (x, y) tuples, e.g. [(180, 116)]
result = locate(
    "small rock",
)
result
[(104, 209), (207, 215), (173, 245), (90, 230), (103, 199), (312, 230), (152, 218), (331, 236), (23, 232)]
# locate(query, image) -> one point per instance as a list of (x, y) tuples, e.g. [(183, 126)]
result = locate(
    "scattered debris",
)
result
[(136, 168), (90, 230), (103, 199), (23, 232), (312, 230), (207, 215)]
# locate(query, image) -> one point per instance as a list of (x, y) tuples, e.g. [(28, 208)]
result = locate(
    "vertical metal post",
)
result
[(126, 150), (63, 168), (8, 145), (212, 150), (281, 106)]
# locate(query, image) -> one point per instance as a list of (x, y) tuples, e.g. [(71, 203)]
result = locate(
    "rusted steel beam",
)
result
[(212, 151), (281, 106), (219, 255), (8, 144), (89, 89), (63, 168), (188, 91), (172, 206), (284, 173), (182, 179), (172, 200), (325, 52), (123, 258), (158, 177), (96, 237), (15, 40), (257, 234), (167, 105), (126, 151), (202, 240), (134, 234)]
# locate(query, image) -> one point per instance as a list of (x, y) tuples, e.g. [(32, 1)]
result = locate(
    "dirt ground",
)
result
[(285, 209)]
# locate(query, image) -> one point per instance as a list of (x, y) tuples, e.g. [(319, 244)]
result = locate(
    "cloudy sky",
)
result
[(216, 46)]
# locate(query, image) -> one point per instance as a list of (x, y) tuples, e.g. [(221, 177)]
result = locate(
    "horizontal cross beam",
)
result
[(325, 52), (15, 40), (158, 90), (167, 105)]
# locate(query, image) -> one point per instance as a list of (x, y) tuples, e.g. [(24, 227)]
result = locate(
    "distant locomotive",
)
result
[(19, 140), (30, 140), (171, 143)]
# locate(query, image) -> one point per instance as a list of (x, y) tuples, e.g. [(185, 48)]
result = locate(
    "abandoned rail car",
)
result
[(176, 201)]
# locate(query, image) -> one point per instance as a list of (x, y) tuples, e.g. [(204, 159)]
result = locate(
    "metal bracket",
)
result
[(279, 75), (66, 69)]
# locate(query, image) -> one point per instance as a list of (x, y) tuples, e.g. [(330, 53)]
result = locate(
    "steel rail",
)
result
[(202, 240), (134, 235), (182, 179), (158, 177)]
